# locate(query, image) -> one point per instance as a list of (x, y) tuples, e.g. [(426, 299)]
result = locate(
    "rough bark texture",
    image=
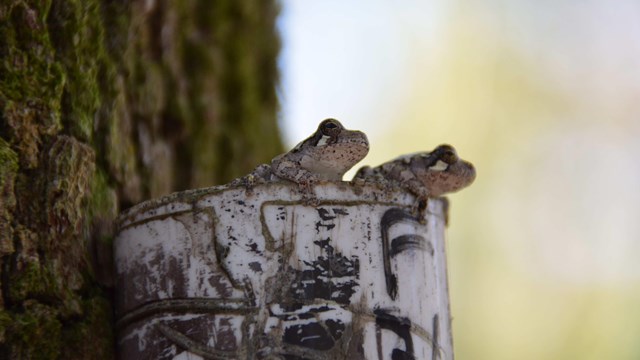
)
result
[(104, 103)]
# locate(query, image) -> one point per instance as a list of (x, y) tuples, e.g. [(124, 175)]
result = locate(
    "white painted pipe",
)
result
[(231, 273)]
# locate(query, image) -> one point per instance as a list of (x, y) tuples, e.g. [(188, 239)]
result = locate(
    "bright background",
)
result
[(544, 98)]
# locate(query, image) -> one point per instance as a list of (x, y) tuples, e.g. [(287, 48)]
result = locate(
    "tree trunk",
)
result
[(103, 104)]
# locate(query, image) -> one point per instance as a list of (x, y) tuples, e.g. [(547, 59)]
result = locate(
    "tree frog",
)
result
[(326, 155), (424, 174)]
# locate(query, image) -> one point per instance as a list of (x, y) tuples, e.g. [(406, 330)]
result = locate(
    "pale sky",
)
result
[(340, 57), (544, 97)]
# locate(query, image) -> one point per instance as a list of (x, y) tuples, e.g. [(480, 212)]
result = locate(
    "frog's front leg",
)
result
[(292, 171), (417, 188)]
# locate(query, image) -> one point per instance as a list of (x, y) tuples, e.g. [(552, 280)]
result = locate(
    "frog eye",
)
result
[(447, 154), (450, 157), (330, 127)]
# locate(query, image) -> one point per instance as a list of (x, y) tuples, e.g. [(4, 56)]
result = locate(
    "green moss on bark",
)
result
[(5, 322), (77, 33), (96, 313), (104, 104), (28, 67), (34, 333), (8, 171)]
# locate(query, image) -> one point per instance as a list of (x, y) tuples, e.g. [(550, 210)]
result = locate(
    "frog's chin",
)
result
[(326, 171), (332, 164), (353, 151)]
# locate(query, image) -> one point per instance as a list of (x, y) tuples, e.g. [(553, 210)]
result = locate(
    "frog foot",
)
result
[(420, 208), (420, 204), (309, 198)]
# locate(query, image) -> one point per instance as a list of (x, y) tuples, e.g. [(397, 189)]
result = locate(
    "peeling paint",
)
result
[(302, 279)]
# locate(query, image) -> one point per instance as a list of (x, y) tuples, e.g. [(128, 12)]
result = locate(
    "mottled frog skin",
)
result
[(326, 155), (424, 174)]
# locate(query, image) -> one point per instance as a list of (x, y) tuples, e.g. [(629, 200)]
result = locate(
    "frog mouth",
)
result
[(354, 147)]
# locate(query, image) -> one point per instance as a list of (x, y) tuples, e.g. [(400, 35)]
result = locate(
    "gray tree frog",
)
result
[(424, 174), (326, 155)]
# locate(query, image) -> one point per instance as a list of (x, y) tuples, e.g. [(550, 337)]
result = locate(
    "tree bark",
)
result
[(103, 104)]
